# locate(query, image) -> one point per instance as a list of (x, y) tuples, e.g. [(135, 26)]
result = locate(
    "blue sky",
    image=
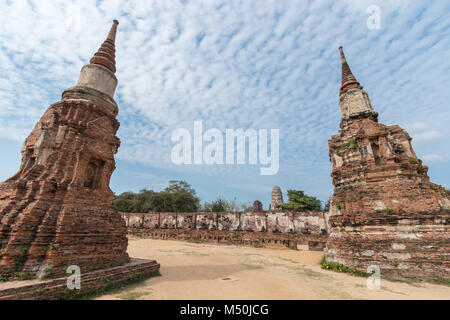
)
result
[(232, 64)]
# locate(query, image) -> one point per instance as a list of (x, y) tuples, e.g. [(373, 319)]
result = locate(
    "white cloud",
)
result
[(232, 64), (426, 136), (414, 127), (432, 158)]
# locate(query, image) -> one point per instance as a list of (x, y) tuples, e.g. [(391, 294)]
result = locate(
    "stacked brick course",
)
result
[(384, 209), (90, 283)]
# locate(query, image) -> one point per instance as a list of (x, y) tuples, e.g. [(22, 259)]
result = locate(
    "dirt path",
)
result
[(205, 271)]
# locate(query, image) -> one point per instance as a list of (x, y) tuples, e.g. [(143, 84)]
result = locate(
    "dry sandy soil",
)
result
[(207, 271)]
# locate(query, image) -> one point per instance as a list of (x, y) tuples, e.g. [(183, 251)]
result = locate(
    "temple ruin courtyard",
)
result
[(57, 214), (206, 271)]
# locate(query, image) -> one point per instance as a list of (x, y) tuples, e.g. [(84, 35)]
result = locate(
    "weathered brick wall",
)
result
[(407, 245), (90, 282), (305, 230), (384, 210), (57, 210)]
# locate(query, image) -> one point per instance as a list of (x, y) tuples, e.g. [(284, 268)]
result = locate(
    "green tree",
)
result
[(161, 202), (179, 196), (327, 205), (219, 205), (182, 197), (299, 202), (223, 205), (123, 201), (177, 186), (142, 202)]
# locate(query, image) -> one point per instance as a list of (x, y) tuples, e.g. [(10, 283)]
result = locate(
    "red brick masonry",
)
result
[(90, 282), (384, 210)]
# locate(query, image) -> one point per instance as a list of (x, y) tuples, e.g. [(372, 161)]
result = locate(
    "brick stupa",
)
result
[(56, 211), (276, 199), (384, 209)]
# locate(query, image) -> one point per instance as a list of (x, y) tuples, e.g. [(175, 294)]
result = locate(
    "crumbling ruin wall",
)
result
[(57, 210), (90, 282), (384, 212), (402, 245), (303, 231)]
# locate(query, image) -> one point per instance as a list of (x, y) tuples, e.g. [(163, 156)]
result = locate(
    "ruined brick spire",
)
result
[(56, 211), (105, 56), (348, 79)]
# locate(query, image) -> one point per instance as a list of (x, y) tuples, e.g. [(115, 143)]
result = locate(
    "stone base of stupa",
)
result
[(91, 282)]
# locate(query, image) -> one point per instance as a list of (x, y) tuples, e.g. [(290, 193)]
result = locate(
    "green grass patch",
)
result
[(341, 268), (193, 253), (392, 291), (311, 274), (90, 294), (17, 276), (412, 282), (421, 170), (133, 295), (48, 272), (442, 281), (418, 282), (252, 266), (20, 262), (288, 260), (350, 144)]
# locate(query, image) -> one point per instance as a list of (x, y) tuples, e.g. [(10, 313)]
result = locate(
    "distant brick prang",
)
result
[(57, 210), (302, 231), (257, 206), (384, 210), (276, 199)]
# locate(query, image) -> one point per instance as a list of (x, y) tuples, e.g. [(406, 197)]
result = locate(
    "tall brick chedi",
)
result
[(384, 210), (276, 199), (57, 211)]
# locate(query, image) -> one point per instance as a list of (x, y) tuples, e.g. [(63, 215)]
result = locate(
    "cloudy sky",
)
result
[(231, 64)]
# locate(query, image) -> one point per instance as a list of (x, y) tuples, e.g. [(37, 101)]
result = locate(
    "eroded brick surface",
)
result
[(384, 209), (276, 199), (89, 282), (303, 230), (57, 211)]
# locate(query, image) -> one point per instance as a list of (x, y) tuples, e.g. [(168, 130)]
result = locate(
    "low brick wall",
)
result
[(90, 282), (408, 245), (302, 231)]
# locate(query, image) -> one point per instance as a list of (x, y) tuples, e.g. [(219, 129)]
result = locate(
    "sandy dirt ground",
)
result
[(207, 271)]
